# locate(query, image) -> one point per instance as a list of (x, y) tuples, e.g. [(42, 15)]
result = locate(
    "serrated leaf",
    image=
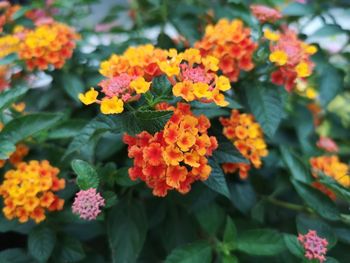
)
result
[(126, 228), (10, 96), (317, 201), (137, 121), (293, 245), (295, 166), (266, 105), (14, 255), (216, 180), (41, 242), (242, 196), (199, 252), (21, 128), (331, 83), (261, 242), (87, 176), (161, 86), (230, 233)]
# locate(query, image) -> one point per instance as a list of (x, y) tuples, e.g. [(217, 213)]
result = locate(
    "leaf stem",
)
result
[(287, 205)]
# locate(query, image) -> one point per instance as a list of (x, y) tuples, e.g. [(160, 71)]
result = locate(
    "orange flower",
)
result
[(175, 157), (230, 42), (17, 156), (247, 137), (27, 191)]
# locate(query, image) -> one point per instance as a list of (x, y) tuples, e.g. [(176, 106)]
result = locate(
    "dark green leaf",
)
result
[(87, 176), (229, 259), (69, 250), (261, 242), (161, 86), (14, 255), (331, 83), (242, 196), (230, 234), (41, 242), (293, 245), (126, 228), (199, 252), (110, 198), (10, 96), (265, 103), (21, 12), (227, 153), (295, 166), (211, 218), (122, 177), (340, 190), (216, 180), (317, 201), (67, 129), (73, 85), (25, 126)]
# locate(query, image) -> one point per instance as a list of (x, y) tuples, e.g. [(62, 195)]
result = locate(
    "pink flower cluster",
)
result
[(265, 14), (315, 247), (327, 144), (87, 204)]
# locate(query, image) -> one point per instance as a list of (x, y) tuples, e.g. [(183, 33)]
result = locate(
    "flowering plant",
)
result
[(174, 131)]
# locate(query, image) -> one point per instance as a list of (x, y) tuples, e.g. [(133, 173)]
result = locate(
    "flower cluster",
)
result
[(327, 144), (248, 138), (8, 44), (7, 10), (230, 42), (4, 77), (135, 61), (175, 157), (330, 166), (194, 77), (48, 44), (87, 204), (28, 191), (315, 247), (291, 56), (17, 156), (265, 14)]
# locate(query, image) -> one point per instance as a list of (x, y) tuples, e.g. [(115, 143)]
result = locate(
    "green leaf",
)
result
[(72, 84), (25, 126), (10, 96), (126, 228), (67, 129), (331, 83), (317, 201), (14, 255), (339, 190), (110, 198), (297, 9), (8, 59), (295, 166), (69, 250), (229, 259), (210, 110), (135, 122), (242, 196), (293, 245), (227, 153), (261, 242), (216, 180), (230, 234), (87, 176), (161, 86), (266, 105), (199, 252), (211, 218), (21, 12), (122, 178), (41, 242), (328, 30)]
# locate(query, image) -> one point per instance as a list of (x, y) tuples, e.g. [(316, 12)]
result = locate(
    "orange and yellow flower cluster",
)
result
[(175, 157), (248, 138), (194, 77), (291, 56), (47, 44), (29, 190), (330, 166), (17, 156), (8, 44), (230, 42)]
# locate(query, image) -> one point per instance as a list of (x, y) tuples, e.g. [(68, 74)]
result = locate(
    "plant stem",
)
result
[(287, 205)]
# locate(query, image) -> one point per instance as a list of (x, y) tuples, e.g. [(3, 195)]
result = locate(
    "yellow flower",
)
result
[(19, 107), (89, 97), (169, 70), (223, 83), (210, 63), (279, 57), (310, 49), (140, 85), (311, 93), (192, 55), (112, 106), (302, 70), (270, 35), (200, 90)]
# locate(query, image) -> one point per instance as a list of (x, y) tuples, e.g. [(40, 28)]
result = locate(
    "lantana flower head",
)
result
[(175, 157), (87, 204), (292, 57), (330, 166), (327, 144), (48, 44), (231, 43), (265, 14), (248, 138), (315, 247), (8, 44), (29, 190), (194, 77)]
